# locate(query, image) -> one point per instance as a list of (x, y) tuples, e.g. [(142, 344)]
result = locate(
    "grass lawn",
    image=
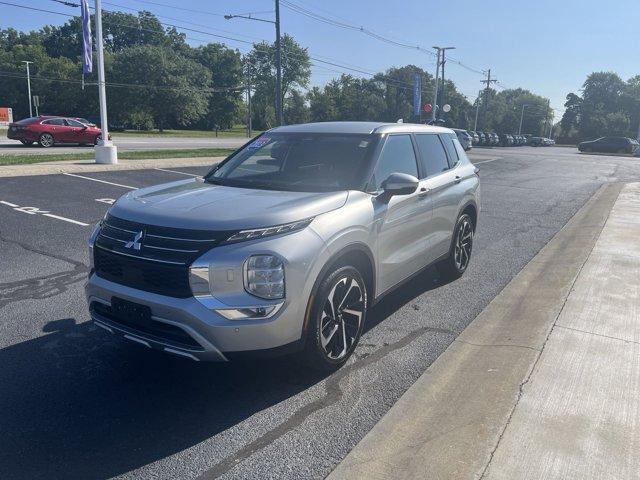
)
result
[(138, 155), (237, 131)]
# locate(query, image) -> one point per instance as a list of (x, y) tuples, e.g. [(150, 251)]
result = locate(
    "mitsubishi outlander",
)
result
[(285, 245)]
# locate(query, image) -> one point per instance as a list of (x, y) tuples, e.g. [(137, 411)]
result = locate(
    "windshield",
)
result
[(315, 162)]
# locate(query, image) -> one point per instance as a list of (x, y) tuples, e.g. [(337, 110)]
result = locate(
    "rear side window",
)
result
[(74, 123), (397, 156), (448, 141), (434, 158)]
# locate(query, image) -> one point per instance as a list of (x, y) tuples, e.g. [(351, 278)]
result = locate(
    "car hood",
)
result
[(195, 204)]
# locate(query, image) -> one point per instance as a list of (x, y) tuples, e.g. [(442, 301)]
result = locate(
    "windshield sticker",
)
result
[(363, 144), (259, 142)]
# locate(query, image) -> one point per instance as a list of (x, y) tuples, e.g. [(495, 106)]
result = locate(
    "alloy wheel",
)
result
[(46, 140), (463, 245), (341, 317)]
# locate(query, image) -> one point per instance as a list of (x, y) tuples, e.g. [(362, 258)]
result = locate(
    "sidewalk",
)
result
[(545, 382), (79, 166)]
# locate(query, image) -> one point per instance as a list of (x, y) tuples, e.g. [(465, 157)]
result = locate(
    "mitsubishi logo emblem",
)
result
[(135, 243)]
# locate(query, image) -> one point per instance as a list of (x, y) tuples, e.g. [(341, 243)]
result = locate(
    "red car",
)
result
[(49, 130)]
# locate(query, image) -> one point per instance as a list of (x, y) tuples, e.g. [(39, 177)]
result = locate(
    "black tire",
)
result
[(27, 143), (343, 292), (97, 139), (46, 140), (454, 266)]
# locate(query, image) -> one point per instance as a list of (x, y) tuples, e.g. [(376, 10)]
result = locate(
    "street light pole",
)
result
[(29, 86), (278, 92), (524, 105), (106, 152), (475, 125), (279, 116)]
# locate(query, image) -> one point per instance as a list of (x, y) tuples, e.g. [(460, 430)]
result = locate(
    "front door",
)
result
[(400, 223)]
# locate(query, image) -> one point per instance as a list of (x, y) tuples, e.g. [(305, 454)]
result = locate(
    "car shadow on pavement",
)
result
[(79, 403)]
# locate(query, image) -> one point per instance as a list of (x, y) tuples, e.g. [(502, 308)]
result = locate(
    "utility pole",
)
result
[(443, 61), (438, 64), (106, 151), (488, 81), (524, 105), (29, 86), (279, 116), (475, 125), (278, 92), (249, 119)]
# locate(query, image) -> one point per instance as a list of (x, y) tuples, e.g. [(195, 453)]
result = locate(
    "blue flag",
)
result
[(417, 94), (87, 50)]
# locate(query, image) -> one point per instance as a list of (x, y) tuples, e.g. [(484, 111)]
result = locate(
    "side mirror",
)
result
[(398, 184)]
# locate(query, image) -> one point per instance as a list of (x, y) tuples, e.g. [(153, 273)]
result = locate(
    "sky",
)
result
[(545, 46)]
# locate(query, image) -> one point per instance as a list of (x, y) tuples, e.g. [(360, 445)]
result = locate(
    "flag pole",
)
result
[(106, 151)]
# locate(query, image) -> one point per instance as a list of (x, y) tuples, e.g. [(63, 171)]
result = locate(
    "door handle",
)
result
[(458, 179), (424, 191)]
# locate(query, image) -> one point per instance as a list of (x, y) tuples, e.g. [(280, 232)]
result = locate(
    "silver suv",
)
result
[(287, 243)]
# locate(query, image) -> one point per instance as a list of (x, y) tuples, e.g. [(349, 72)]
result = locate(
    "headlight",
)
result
[(199, 281), (264, 276), (268, 231)]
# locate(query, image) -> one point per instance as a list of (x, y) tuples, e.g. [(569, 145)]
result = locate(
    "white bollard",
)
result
[(107, 153)]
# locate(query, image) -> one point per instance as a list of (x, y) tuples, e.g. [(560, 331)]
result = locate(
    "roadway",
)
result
[(127, 144), (77, 403)]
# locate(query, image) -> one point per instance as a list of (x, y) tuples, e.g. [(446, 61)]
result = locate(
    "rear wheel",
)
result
[(46, 140), (460, 254), (27, 143), (336, 319)]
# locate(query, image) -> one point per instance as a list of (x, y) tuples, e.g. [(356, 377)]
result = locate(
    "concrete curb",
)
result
[(449, 423), (79, 166)]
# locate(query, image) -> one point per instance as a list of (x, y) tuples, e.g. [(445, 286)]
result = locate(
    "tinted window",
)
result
[(298, 161), (434, 158), (54, 121), (448, 140), (397, 156)]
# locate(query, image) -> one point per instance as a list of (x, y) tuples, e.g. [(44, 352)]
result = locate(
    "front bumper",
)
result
[(195, 329)]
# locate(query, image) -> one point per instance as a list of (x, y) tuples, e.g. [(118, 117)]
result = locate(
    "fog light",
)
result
[(264, 276), (250, 313), (199, 281)]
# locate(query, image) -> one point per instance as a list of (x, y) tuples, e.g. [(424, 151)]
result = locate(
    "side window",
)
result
[(73, 123), (434, 158), (54, 121), (397, 156), (449, 144)]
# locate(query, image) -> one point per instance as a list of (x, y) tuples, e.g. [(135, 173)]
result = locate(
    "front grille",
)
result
[(155, 330), (150, 258)]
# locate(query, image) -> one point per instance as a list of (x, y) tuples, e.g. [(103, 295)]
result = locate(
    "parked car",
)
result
[(49, 130), (536, 141), (286, 244), (476, 138), (464, 138), (495, 140), (482, 139), (610, 145), (505, 140)]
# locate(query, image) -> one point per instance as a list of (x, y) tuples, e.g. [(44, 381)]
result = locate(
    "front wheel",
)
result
[(46, 140), (459, 257), (336, 318), (97, 139)]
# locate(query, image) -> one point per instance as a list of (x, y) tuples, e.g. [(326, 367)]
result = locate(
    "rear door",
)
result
[(439, 157), (401, 222), (58, 128)]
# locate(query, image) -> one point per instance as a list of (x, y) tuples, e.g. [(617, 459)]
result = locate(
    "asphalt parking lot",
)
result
[(77, 403), (8, 147)]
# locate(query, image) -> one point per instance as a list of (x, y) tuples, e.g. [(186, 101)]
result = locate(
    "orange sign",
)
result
[(6, 116)]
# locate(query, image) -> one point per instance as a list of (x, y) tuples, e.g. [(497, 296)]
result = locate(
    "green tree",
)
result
[(225, 68), (295, 108), (176, 89), (296, 71)]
